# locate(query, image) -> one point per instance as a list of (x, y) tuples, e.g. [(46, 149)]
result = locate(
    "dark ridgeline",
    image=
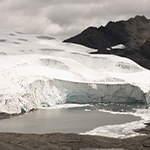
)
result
[(133, 33)]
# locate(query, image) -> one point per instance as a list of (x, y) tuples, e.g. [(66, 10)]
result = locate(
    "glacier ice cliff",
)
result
[(49, 92)]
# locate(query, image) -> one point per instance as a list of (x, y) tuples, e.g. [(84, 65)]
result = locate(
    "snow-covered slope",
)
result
[(37, 70)]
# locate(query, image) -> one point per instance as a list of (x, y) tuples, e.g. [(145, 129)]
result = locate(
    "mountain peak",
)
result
[(138, 17)]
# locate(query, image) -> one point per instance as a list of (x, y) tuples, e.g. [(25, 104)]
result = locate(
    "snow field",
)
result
[(39, 71)]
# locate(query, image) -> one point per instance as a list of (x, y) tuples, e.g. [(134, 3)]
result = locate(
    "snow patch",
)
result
[(119, 46), (118, 131), (124, 130)]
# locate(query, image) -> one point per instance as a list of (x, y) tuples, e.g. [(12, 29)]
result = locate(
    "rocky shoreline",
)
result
[(71, 141), (5, 115)]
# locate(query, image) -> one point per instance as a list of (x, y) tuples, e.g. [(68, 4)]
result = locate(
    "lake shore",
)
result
[(6, 116), (71, 141)]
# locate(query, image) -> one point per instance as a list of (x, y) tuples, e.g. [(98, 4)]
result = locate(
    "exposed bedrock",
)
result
[(146, 48)]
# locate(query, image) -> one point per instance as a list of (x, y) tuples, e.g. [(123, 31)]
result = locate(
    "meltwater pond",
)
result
[(65, 120)]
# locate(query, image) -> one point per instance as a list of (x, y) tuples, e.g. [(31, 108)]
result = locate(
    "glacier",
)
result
[(40, 71)]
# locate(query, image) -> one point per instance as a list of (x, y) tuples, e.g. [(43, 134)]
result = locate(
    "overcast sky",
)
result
[(65, 18)]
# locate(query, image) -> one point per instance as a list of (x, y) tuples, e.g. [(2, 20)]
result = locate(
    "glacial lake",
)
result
[(65, 120)]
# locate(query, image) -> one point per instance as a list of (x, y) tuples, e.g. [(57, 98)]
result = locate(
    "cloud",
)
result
[(66, 18)]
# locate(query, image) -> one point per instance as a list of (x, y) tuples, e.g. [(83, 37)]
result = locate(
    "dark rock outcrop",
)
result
[(134, 34), (146, 48)]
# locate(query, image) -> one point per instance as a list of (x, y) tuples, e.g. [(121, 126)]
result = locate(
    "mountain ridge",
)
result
[(132, 33)]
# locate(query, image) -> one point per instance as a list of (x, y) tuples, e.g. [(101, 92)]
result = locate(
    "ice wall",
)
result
[(48, 92), (99, 92)]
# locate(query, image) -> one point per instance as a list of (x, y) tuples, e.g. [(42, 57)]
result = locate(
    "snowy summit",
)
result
[(39, 71)]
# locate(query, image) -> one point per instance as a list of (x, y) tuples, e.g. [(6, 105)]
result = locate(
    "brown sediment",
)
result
[(59, 141)]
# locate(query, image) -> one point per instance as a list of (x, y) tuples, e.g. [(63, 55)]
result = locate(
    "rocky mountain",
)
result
[(134, 34)]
